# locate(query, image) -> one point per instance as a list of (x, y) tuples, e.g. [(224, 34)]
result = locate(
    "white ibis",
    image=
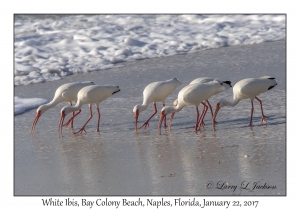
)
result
[(202, 80), (65, 93), (192, 94), (88, 95), (155, 92), (248, 88)]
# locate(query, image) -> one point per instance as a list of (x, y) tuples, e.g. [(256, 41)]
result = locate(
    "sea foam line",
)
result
[(51, 48)]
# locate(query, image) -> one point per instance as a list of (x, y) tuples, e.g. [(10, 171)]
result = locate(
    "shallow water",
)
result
[(115, 161)]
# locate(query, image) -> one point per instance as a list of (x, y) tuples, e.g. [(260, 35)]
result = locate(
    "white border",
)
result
[(152, 6)]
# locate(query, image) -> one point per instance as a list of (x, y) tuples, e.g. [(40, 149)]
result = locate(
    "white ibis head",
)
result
[(136, 111), (165, 110), (175, 102), (63, 113), (39, 112), (222, 102)]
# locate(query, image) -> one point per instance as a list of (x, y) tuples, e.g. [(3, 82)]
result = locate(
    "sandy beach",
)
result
[(116, 161)]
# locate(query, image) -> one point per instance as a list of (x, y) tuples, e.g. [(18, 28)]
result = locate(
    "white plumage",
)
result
[(248, 88), (155, 92), (192, 94), (202, 80), (88, 95), (64, 93)]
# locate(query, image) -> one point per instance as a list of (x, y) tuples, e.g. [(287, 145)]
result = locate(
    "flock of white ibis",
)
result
[(198, 91)]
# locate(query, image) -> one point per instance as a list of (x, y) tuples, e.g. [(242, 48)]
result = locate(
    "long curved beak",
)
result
[(136, 117), (38, 114), (215, 115), (162, 116), (170, 121), (61, 122)]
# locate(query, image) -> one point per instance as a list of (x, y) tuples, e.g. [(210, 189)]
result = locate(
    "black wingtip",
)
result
[(227, 82), (116, 91), (271, 78), (271, 87)]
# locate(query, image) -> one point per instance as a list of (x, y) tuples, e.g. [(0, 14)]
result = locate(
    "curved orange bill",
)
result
[(215, 115), (162, 116), (170, 121), (136, 116), (61, 122), (38, 114)]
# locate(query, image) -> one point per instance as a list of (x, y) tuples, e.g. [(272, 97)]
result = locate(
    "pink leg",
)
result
[(202, 112), (82, 129), (252, 109), (73, 114), (170, 121), (197, 119), (72, 119), (205, 108), (165, 119), (201, 122), (263, 117), (212, 114), (98, 119), (147, 121), (210, 108)]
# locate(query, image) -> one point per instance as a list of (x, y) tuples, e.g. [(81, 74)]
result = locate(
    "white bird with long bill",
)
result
[(202, 80), (155, 92), (192, 94), (65, 93), (248, 88), (88, 95)]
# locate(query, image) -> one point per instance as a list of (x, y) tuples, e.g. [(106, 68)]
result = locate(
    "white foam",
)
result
[(48, 49), (23, 104)]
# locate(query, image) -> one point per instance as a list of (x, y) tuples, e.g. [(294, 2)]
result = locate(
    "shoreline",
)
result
[(126, 65)]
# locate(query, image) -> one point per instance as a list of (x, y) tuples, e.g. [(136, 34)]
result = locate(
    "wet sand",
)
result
[(116, 161)]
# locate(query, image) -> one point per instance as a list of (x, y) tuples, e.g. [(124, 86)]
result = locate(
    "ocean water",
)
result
[(24, 104), (51, 47)]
